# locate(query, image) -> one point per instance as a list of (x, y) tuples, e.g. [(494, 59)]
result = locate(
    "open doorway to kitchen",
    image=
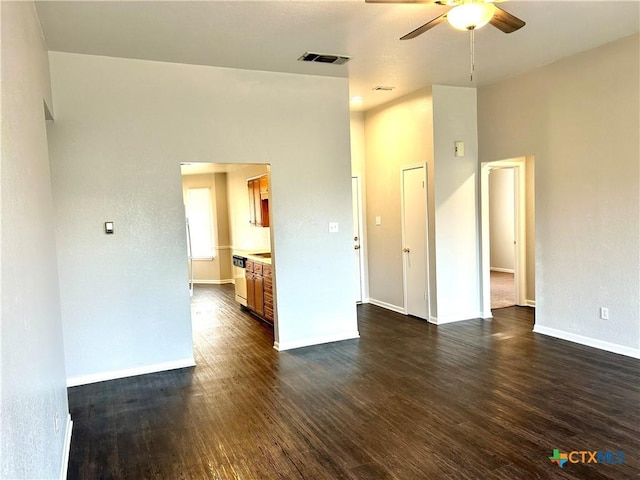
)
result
[(508, 236), (229, 255)]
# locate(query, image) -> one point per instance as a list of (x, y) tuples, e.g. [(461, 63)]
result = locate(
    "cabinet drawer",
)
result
[(257, 268), (266, 270), (268, 283), (249, 266), (268, 313)]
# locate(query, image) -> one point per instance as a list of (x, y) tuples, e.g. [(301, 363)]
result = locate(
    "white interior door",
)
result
[(357, 241), (414, 236)]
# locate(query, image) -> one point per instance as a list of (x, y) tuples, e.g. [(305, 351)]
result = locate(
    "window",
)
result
[(200, 222)]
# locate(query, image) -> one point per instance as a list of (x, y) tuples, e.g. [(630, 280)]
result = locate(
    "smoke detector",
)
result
[(324, 58)]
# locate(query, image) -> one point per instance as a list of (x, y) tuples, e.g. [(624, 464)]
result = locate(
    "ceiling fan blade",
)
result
[(427, 26), (505, 21)]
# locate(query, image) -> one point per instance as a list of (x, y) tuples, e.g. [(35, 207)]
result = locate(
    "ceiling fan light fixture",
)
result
[(470, 16)]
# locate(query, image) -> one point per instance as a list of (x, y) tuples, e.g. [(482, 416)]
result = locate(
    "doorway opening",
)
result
[(502, 254), (228, 226), (509, 252)]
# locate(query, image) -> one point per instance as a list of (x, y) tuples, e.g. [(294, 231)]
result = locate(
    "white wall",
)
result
[(502, 218), (121, 120), (33, 390), (358, 169), (421, 128), (397, 134), (456, 204), (245, 236), (580, 118)]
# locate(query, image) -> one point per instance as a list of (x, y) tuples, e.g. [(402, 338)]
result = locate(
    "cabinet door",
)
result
[(251, 291), (252, 204), (264, 186), (264, 212), (257, 204), (264, 200), (259, 295)]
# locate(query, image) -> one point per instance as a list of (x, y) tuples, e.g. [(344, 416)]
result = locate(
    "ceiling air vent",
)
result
[(324, 58)]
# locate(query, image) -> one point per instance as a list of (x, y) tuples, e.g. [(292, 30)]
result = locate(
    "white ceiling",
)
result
[(271, 35)]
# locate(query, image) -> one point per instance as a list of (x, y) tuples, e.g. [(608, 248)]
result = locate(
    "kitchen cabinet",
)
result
[(251, 285), (259, 289), (258, 189), (268, 292)]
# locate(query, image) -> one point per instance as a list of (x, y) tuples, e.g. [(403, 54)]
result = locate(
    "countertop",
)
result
[(256, 256)]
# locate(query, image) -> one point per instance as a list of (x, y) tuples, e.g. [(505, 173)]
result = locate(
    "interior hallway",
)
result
[(409, 400), (503, 290)]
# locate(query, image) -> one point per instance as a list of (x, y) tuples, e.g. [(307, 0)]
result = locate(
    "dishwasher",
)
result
[(239, 278)]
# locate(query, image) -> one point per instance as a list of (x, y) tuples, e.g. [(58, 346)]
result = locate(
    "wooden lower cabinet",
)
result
[(259, 295), (260, 289), (268, 292), (251, 285)]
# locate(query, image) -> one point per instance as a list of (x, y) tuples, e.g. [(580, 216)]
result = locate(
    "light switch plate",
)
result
[(378, 220), (108, 228), (333, 227)]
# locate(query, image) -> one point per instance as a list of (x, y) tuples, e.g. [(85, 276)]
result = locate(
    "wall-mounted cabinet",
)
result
[(258, 189)]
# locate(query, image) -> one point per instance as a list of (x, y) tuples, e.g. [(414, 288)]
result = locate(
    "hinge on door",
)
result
[(423, 184), (425, 295)]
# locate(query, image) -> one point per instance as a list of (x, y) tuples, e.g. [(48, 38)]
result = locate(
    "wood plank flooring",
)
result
[(408, 400)]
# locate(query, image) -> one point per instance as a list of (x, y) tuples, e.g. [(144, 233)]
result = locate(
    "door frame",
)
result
[(404, 168), (520, 233), (358, 181)]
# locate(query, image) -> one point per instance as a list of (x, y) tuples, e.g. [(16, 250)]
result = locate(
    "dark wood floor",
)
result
[(409, 400)]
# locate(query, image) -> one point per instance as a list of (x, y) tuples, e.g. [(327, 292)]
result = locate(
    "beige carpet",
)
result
[(503, 291)]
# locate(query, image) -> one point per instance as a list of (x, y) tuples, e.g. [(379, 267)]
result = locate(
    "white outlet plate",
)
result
[(333, 227), (604, 313), (378, 220)]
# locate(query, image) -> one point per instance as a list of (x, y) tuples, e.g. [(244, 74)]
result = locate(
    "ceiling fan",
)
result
[(465, 15)]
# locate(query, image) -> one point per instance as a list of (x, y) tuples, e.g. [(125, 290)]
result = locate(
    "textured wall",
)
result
[(397, 134), (531, 228), (33, 391), (358, 169), (245, 236), (582, 125), (502, 216), (456, 204), (124, 127)]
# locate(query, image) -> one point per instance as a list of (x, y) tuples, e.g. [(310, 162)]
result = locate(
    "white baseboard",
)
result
[(66, 449), (588, 341), (440, 320), (388, 306), (503, 270), (307, 342), (530, 303), (129, 372), (213, 282)]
